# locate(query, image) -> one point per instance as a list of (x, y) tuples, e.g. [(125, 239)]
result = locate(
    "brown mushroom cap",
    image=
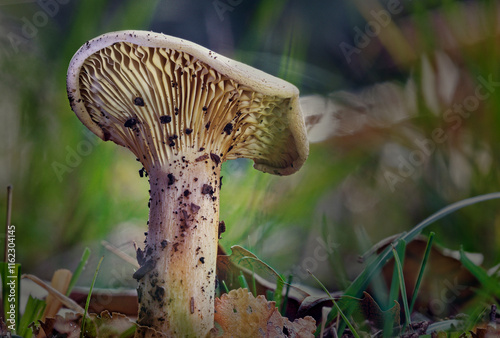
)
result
[(159, 96)]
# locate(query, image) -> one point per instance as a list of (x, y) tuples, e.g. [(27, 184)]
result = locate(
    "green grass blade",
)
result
[(490, 283), (490, 289), (251, 262), (361, 282), (344, 317), (402, 285), (446, 325), (243, 282), (285, 301), (32, 313), (89, 296), (128, 332), (394, 292), (226, 289), (278, 293), (78, 270), (422, 269), (254, 284), (395, 287)]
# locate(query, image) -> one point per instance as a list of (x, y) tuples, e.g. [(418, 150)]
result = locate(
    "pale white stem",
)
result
[(177, 275)]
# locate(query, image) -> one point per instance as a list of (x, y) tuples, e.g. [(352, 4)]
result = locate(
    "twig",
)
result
[(120, 253), (68, 302)]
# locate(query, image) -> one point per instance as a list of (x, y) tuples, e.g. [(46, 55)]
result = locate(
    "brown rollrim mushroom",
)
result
[(183, 110)]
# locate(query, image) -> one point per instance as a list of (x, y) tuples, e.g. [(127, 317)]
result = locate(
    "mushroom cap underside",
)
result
[(159, 96)]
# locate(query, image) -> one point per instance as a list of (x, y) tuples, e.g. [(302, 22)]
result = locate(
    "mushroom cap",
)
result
[(159, 95)]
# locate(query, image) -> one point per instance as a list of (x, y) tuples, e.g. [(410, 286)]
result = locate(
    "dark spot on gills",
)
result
[(215, 158), (139, 101), (130, 123), (228, 129), (165, 119)]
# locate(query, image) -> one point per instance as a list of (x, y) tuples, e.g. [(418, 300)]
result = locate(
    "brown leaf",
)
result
[(374, 313), (446, 286), (278, 326), (241, 260), (488, 331), (313, 305), (67, 326), (239, 313)]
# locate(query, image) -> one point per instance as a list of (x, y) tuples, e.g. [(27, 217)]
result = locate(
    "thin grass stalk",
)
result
[(351, 327), (89, 296), (422, 269), (403, 287)]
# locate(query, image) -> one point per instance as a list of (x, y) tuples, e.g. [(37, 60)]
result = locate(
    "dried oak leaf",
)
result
[(239, 313), (67, 326), (279, 326)]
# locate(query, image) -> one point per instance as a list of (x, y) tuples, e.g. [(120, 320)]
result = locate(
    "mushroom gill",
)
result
[(160, 101)]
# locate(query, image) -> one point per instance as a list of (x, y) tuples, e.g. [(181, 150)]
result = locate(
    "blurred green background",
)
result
[(72, 190)]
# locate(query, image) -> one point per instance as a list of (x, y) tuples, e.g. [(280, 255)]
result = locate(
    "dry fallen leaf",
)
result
[(242, 261), (102, 325), (67, 326), (279, 326), (240, 314), (447, 286), (376, 315)]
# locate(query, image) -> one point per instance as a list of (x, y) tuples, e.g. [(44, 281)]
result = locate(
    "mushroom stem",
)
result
[(177, 275), (167, 100)]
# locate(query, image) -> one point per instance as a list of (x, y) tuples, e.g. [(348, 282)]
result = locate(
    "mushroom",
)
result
[(183, 110)]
